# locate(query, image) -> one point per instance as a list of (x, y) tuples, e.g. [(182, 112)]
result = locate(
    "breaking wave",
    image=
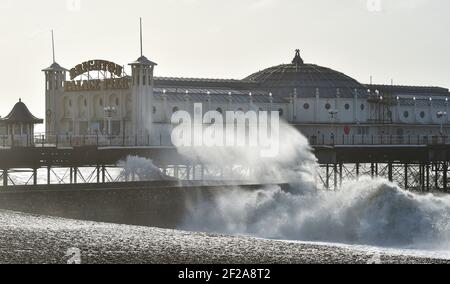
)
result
[(367, 212)]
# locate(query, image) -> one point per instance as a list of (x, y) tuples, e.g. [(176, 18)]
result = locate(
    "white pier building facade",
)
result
[(98, 98)]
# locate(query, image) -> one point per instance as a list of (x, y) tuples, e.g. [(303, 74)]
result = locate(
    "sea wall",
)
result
[(146, 205)]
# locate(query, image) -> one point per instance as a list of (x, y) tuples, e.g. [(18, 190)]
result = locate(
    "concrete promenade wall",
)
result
[(151, 205)]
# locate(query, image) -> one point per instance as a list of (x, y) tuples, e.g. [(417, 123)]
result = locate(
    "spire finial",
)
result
[(140, 24), (297, 59), (53, 47)]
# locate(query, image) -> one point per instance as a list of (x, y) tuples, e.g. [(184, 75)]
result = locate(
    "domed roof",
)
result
[(55, 67), (283, 79), (143, 61), (21, 114)]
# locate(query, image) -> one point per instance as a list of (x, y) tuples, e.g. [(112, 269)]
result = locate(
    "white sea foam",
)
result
[(367, 211)]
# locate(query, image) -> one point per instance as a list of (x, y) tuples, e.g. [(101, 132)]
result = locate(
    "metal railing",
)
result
[(42, 140), (379, 140)]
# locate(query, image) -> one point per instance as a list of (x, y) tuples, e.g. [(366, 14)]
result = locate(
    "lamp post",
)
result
[(110, 111), (333, 113), (441, 115)]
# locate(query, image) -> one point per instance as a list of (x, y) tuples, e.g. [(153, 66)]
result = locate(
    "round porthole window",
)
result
[(406, 114), (306, 106), (347, 106), (327, 106)]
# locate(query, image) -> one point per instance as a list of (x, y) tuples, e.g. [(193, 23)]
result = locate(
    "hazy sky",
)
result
[(407, 40)]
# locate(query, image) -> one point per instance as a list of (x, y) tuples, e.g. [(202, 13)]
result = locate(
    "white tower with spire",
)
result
[(142, 93), (55, 75)]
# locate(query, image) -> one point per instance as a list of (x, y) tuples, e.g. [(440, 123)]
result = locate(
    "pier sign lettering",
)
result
[(97, 85), (96, 65)]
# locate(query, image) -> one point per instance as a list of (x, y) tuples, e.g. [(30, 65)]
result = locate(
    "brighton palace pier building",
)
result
[(98, 101)]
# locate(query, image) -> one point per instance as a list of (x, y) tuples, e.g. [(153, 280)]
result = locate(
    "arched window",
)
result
[(281, 112), (85, 103), (101, 102), (70, 103), (347, 106), (363, 107), (219, 110), (406, 114), (422, 114), (117, 101), (175, 109), (154, 110)]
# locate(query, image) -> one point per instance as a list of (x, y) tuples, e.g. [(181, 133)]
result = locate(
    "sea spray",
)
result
[(365, 211), (295, 161), (140, 169)]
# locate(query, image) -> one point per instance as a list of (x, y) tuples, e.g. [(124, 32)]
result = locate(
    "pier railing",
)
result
[(42, 140), (378, 140)]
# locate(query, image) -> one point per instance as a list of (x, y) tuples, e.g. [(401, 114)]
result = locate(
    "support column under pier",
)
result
[(75, 175), (444, 176), (335, 176), (5, 177), (48, 175), (34, 176), (406, 177), (98, 173), (103, 174)]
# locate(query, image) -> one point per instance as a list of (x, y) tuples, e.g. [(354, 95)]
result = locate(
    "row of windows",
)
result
[(175, 109), (306, 106), (100, 102), (422, 114)]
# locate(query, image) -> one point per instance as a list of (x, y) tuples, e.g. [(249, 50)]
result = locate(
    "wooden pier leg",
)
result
[(428, 176), (406, 177), (328, 177), (75, 175), (335, 176), (98, 174), (390, 174), (34, 176), (436, 176), (341, 168), (103, 174), (372, 170), (5, 177), (422, 177), (48, 175), (444, 176), (71, 175), (357, 170)]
